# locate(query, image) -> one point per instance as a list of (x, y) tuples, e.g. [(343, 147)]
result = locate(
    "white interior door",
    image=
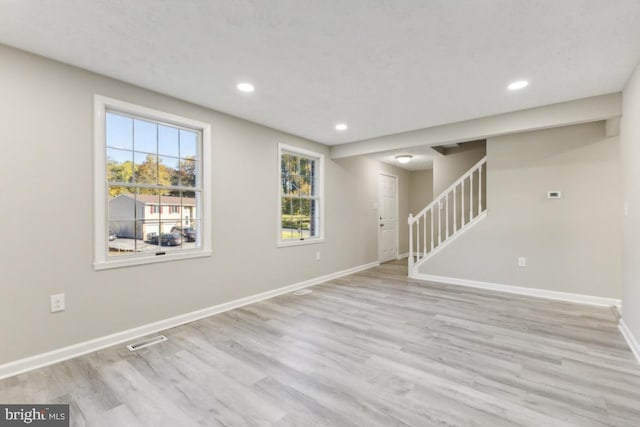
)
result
[(387, 218)]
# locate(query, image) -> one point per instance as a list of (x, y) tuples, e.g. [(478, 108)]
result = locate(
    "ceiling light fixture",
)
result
[(517, 85), (245, 87), (404, 158), (341, 126)]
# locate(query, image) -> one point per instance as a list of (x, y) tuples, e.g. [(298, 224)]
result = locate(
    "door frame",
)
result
[(397, 214)]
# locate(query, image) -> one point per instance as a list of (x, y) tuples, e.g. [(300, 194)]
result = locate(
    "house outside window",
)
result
[(301, 198), (151, 185)]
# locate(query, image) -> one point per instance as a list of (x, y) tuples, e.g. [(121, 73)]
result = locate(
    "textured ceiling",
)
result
[(382, 66)]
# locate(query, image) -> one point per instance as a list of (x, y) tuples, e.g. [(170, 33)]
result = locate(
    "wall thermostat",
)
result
[(554, 194)]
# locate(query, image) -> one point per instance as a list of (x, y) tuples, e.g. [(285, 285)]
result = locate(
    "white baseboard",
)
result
[(403, 256), (533, 292), (634, 345), (75, 350)]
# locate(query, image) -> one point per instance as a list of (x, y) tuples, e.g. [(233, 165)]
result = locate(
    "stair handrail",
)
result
[(443, 194)]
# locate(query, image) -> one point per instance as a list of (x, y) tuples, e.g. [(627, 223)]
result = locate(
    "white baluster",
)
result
[(470, 197), (446, 213), (462, 200), (439, 222), (418, 239), (480, 190), (431, 230), (410, 243), (455, 211), (424, 218)]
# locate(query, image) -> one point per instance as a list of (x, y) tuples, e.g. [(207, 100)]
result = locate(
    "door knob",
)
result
[(381, 225)]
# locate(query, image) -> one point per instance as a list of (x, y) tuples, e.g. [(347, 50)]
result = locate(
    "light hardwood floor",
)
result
[(370, 349)]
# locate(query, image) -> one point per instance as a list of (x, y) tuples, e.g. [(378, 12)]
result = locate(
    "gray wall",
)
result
[(447, 169), (47, 215), (571, 244), (420, 190), (630, 148)]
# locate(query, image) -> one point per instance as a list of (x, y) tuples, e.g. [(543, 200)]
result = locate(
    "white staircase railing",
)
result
[(453, 211)]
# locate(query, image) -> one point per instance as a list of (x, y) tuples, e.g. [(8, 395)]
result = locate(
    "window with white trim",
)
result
[(152, 182), (301, 198)]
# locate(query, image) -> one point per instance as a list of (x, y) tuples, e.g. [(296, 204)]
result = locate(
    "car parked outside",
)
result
[(170, 239), (188, 233)]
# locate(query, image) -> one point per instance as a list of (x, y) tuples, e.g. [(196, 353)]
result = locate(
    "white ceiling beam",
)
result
[(584, 110)]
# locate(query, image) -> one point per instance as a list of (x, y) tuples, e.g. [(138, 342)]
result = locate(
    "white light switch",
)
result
[(57, 303), (522, 262)]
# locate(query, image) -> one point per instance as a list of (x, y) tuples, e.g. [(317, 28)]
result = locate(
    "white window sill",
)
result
[(287, 243), (133, 261)]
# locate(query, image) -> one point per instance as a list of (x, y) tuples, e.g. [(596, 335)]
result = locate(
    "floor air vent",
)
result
[(303, 292), (147, 343)]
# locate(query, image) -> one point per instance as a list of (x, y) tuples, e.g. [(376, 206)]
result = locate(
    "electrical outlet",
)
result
[(57, 303), (522, 262), (318, 256)]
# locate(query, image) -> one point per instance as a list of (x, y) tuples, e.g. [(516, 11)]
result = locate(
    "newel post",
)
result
[(410, 263)]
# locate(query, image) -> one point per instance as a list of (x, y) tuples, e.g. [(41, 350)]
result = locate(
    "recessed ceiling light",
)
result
[(245, 87), (517, 85), (404, 158), (341, 126)]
